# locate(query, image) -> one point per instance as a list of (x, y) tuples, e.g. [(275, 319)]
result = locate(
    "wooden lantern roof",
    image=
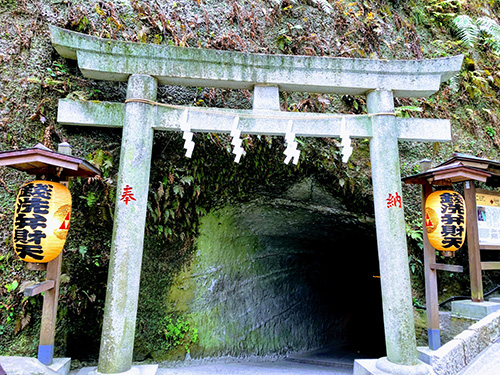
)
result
[(40, 160), (459, 168)]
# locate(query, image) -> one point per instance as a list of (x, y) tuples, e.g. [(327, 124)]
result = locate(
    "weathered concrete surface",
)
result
[(266, 98), (115, 60), (61, 365), (488, 329), (122, 291), (488, 363), (452, 326), (215, 120), (469, 345), (32, 366), (399, 324), (474, 310)]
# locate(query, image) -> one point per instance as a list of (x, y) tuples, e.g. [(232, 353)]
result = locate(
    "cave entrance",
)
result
[(281, 276)]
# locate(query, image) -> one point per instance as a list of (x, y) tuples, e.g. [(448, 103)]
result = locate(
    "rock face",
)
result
[(285, 274)]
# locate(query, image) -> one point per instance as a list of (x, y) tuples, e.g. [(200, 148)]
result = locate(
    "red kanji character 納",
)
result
[(394, 200)]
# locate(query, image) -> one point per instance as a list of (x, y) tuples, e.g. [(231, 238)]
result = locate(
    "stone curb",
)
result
[(465, 347)]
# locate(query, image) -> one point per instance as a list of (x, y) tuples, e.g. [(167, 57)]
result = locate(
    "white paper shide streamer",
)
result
[(291, 150), (188, 135), (346, 142), (236, 141)]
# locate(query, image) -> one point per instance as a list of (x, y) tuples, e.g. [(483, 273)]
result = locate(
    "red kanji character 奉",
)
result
[(394, 200), (127, 195)]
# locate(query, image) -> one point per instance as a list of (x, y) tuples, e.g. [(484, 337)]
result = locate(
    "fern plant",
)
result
[(324, 5), (471, 31), (492, 31)]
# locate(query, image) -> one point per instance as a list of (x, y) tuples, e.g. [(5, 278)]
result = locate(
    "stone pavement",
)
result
[(319, 362), (256, 368), (487, 363), (280, 367)]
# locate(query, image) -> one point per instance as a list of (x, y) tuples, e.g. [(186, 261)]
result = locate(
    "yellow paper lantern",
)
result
[(41, 221), (445, 220)]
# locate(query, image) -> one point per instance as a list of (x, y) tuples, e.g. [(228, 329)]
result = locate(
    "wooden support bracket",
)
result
[(489, 266), (489, 247), (39, 288), (446, 267)]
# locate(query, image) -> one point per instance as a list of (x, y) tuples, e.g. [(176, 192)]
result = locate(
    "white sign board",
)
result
[(488, 218)]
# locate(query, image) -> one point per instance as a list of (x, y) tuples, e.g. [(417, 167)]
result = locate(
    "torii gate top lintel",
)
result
[(105, 59)]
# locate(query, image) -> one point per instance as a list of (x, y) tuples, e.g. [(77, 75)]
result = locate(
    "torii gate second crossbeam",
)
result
[(144, 66)]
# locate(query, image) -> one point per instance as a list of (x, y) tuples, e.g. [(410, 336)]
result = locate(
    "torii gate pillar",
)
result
[(122, 293), (391, 235)]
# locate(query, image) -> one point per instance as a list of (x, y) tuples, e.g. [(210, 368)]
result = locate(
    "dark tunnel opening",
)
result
[(291, 277)]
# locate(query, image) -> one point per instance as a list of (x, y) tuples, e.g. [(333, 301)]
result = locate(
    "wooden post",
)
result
[(476, 277), (49, 313), (50, 299), (431, 289)]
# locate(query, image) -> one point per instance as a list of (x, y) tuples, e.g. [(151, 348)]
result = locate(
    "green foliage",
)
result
[(11, 286), (404, 111), (491, 131), (477, 84), (443, 10), (466, 29), (483, 29), (16, 311), (324, 5), (178, 332), (491, 30)]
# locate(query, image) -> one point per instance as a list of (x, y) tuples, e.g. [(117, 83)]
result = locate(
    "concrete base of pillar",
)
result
[(494, 299), (382, 366), (425, 354), (135, 370), (28, 366), (61, 365), (473, 310)]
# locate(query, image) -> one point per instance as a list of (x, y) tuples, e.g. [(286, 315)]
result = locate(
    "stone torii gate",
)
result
[(145, 66)]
